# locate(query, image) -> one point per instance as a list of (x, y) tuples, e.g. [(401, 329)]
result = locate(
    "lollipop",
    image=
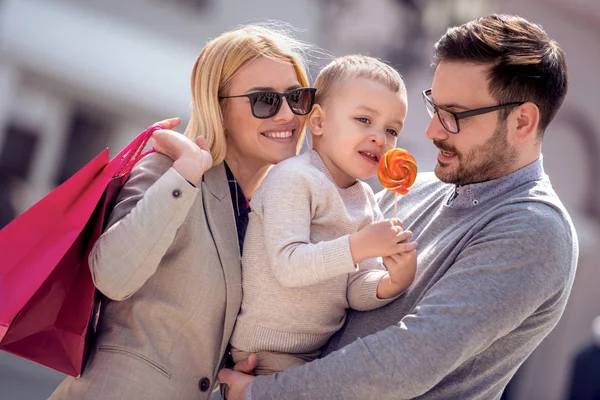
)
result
[(397, 171)]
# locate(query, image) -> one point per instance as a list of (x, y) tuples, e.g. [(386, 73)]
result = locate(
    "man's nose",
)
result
[(435, 130)]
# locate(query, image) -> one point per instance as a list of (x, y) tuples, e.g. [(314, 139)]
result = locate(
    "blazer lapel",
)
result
[(221, 220)]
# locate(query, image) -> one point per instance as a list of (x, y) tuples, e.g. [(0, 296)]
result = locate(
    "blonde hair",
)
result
[(219, 62), (356, 66)]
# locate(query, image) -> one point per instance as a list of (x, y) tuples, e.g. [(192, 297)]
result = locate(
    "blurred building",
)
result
[(79, 76)]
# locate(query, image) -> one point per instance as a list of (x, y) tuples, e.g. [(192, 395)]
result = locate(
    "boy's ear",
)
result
[(316, 120)]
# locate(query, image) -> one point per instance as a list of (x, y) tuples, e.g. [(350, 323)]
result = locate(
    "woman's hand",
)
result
[(191, 159)]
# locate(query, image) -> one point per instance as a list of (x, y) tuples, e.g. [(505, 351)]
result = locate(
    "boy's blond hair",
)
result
[(356, 66)]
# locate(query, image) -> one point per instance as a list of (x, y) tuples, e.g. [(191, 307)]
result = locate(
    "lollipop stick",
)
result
[(395, 202)]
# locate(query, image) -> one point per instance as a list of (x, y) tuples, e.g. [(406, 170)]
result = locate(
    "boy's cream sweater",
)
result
[(297, 270)]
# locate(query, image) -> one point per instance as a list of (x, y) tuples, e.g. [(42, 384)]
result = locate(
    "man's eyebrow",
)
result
[(451, 105), (270, 89), (456, 106)]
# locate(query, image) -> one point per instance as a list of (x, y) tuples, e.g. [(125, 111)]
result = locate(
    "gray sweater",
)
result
[(297, 271), (495, 268)]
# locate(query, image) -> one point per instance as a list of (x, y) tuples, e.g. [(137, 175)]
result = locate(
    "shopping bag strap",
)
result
[(132, 153)]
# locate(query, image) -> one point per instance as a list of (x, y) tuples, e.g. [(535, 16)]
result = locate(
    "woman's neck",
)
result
[(247, 173)]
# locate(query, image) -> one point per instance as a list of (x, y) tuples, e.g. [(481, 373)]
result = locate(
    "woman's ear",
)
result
[(527, 121), (316, 120)]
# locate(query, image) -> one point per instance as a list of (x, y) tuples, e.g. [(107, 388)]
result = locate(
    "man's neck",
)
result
[(525, 159)]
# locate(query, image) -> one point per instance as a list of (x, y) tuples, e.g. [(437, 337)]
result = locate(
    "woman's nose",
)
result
[(285, 112)]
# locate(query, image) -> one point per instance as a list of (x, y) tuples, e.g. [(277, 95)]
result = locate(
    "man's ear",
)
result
[(527, 122), (316, 120)]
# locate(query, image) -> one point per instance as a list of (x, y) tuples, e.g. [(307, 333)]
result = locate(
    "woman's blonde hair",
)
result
[(219, 62)]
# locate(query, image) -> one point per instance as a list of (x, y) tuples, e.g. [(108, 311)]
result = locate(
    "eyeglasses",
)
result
[(449, 119), (267, 104)]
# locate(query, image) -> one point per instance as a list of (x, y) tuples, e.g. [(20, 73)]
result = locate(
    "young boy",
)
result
[(315, 232)]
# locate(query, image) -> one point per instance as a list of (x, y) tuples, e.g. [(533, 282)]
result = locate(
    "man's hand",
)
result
[(191, 159), (401, 268), (237, 381)]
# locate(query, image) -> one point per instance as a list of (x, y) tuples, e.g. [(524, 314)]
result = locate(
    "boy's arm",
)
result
[(370, 287), (363, 293), (507, 273), (288, 202)]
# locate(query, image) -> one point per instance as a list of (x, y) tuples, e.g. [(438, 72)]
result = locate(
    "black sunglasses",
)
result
[(267, 104), (449, 119)]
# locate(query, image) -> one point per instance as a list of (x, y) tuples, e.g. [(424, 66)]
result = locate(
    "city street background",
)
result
[(79, 76)]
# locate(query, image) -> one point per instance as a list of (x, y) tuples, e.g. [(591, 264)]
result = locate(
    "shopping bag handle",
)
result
[(132, 153)]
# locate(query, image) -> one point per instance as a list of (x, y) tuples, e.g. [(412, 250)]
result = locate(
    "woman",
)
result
[(169, 262)]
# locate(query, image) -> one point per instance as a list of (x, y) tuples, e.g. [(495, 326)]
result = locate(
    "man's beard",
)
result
[(483, 163)]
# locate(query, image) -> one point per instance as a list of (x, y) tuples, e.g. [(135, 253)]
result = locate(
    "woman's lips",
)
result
[(280, 136)]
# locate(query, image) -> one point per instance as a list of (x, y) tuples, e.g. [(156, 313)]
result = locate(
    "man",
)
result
[(497, 249)]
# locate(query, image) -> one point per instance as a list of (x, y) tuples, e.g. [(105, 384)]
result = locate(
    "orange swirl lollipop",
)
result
[(397, 170)]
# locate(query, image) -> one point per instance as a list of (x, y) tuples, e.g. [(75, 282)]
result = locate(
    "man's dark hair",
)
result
[(525, 64)]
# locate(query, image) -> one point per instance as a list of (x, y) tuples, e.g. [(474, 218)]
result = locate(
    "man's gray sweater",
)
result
[(496, 262)]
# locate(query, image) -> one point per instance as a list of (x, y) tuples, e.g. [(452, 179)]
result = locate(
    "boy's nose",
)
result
[(378, 138)]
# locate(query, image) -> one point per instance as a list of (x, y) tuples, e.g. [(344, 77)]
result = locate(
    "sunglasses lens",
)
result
[(300, 101), (265, 105)]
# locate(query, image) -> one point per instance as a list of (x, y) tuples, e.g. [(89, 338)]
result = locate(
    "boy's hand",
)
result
[(379, 239), (191, 159)]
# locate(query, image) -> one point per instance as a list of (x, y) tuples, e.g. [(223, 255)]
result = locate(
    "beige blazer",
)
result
[(169, 264)]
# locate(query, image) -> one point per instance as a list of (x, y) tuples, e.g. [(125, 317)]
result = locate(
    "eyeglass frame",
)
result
[(252, 95), (464, 114)]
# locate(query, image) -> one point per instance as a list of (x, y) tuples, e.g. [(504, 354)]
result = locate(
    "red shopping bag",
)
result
[(47, 297)]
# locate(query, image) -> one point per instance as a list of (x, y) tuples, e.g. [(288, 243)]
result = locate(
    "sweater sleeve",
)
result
[(362, 287), (288, 201), (507, 273), (151, 206)]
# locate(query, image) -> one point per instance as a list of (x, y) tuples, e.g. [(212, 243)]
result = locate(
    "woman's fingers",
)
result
[(169, 123), (201, 142), (171, 143)]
